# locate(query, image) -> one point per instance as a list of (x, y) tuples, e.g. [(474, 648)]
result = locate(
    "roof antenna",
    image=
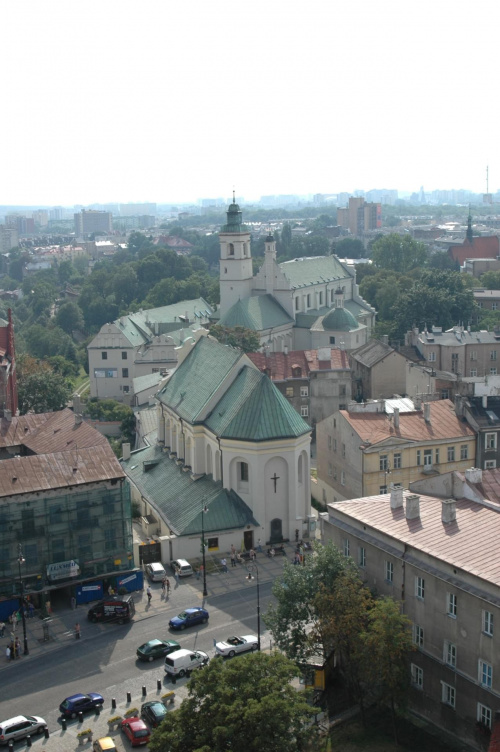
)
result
[(234, 197)]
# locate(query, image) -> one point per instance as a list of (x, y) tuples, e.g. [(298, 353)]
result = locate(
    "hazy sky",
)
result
[(163, 100)]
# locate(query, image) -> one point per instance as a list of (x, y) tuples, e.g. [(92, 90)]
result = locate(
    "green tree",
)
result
[(399, 253), (387, 644), (349, 248), (69, 317), (236, 336), (295, 621), (490, 280), (40, 389), (248, 704)]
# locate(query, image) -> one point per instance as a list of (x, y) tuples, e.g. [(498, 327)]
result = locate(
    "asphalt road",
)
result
[(107, 664)]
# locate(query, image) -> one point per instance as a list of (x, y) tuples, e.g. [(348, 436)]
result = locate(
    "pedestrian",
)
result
[(224, 565), (7, 652), (259, 546), (18, 647), (163, 585), (2, 628), (73, 602), (233, 558), (176, 575), (31, 609), (233, 549), (253, 555), (198, 573), (168, 586), (77, 631), (149, 594)]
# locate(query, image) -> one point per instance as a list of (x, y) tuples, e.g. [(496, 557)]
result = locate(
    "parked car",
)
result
[(234, 645), (156, 649), (155, 572), (20, 726), (153, 713), (106, 744), (71, 706), (136, 731), (183, 566), (189, 618), (184, 661)]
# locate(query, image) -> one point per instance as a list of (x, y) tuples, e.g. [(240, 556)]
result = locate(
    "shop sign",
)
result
[(63, 569)]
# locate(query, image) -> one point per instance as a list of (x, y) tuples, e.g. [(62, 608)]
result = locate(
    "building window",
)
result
[(213, 544), (330, 469), (289, 391), (332, 340), (343, 450), (105, 373), (493, 371), (485, 674), (362, 556), (397, 461), (30, 551), (334, 472), (108, 505), (389, 571), (488, 623), (329, 442), (335, 445), (484, 715), (84, 545), (428, 458), (473, 372), (58, 551), (342, 390), (304, 411), (418, 635), (450, 654), (417, 676), (308, 301), (124, 355), (464, 452), (347, 547), (104, 356), (431, 356), (419, 457), (342, 478), (445, 394), (454, 362), (304, 391), (451, 604), (473, 355), (448, 695), (243, 472), (382, 489), (451, 454), (231, 249), (437, 456), (55, 514), (420, 587), (124, 373), (494, 306), (493, 355), (297, 304), (126, 389), (321, 298), (490, 464), (383, 462), (490, 441)]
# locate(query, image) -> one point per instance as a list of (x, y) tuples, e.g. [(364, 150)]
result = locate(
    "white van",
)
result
[(155, 571), (181, 662), (184, 567)]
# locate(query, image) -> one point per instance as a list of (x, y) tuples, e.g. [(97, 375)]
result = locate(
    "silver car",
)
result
[(234, 645), (20, 726)]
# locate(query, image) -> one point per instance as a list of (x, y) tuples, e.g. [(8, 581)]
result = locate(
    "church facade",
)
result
[(305, 303)]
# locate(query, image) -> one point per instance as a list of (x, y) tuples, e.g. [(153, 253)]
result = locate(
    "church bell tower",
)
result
[(236, 272)]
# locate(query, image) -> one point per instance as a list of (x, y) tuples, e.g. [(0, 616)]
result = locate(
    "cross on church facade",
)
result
[(275, 478)]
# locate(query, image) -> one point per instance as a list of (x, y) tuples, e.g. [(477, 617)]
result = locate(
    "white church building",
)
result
[(305, 303)]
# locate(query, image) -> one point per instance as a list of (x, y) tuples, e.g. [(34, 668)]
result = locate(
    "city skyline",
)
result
[(175, 102)]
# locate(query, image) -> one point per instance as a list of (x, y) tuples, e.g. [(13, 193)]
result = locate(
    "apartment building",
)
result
[(92, 221), (458, 350), (359, 216), (378, 371), (429, 554)]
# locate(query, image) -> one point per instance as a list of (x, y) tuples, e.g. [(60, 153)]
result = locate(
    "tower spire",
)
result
[(469, 227)]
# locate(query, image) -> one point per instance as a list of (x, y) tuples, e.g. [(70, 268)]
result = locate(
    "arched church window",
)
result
[(300, 472), (308, 301), (231, 249), (243, 472)]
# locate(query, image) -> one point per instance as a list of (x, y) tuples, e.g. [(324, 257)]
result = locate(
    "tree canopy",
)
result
[(399, 253), (245, 704), (236, 336), (40, 389)]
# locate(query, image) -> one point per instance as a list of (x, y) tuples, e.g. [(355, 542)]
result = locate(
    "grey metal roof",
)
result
[(179, 498), (371, 353)]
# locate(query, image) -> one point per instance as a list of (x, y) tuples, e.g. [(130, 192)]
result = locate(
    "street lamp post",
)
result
[(204, 510), (252, 566), (21, 560)]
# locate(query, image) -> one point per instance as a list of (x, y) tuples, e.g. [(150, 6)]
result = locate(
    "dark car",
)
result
[(136, 731), (156, 649), (153, 713), (71, 706), (189, 618)]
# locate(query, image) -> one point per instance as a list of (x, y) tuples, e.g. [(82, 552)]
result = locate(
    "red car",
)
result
[(136, 731)]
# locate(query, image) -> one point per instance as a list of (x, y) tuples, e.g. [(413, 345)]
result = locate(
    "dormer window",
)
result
[(296, 372)]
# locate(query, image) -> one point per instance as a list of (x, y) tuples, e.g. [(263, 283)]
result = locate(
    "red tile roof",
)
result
[(45, 472), (460, 543), (443, 424), (281, 364), (60, 432), (13, 432)]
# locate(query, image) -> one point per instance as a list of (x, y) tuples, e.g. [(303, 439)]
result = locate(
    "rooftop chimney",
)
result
[(413, 507), (78, 419), (396, 497), (485, 401), (448, 510), (126, 451), (418, 403), (474, 475), (427, 412), (285, 349), (396, 417), (7, 414)]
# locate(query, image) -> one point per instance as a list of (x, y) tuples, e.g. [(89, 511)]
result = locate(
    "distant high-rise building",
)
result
[(40, 217), (359, 216), (91, 221), (23, 225), (9, 238), (56, 213)]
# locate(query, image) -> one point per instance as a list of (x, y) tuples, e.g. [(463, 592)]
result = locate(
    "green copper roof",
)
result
[(198, 377), (257, 313), (234, 220), (253, 409), (340, 320), (179, 498), (314, 270)]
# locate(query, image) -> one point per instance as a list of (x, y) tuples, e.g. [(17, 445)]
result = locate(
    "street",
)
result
[(107, 662)]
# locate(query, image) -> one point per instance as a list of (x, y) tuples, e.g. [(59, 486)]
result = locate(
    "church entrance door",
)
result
[(276, 531), (248, 539)]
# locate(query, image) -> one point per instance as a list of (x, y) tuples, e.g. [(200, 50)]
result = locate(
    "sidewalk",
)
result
[(60, 627)]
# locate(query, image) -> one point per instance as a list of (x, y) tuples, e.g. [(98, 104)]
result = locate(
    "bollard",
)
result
[(11, 746), (113, 703), (158, 684), (144, 693), (46, 732), (173, 679), (129, 697), (98, 709), (28, 741), (80, 717), (64, 725)]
